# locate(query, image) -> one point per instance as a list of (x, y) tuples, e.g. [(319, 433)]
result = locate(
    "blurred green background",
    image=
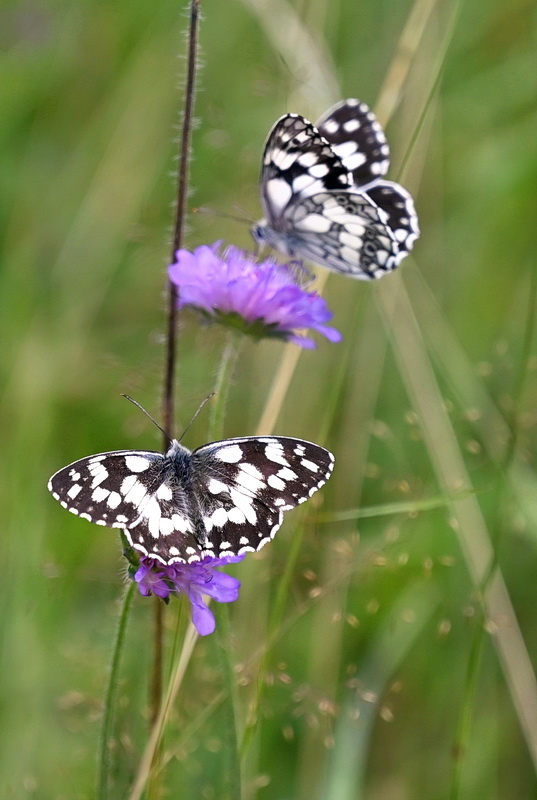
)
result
[(379, 683)]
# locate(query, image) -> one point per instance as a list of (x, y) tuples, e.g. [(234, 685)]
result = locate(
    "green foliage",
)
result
[(360, 683)]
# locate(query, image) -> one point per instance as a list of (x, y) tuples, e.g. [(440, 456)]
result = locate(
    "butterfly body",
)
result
[(323, 196), (224, 498)]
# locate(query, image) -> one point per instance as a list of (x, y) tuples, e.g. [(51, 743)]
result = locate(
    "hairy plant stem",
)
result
[(168, 412), (110, 697), (168, 415)]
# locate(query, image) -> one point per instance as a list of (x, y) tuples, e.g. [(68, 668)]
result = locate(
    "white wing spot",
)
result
[(307, 159), (355, 161), (99, 494), (136, 463), (230, 455), (152, 514), (235, 515), (274, 452), (287, 474), (99, 472), (181, 524), (278, 193), (243, 503), (331, 126), (311, 465), (166, 526), (114, 499), (350, 240), (135, 491), (245, 479), (73, 492), (218, 518), (276, 483), (319, 170), (164, 492), (351, 125), (216, 487), (314, 223)]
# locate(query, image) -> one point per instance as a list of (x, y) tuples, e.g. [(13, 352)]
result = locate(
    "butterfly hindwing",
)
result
[(356, 240), (402, 219)]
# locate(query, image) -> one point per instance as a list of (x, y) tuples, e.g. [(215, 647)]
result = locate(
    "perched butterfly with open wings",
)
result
[(222, 499), (324, 196)]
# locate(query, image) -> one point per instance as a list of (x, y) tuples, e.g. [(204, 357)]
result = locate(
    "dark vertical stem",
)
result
[(168, 415), (180, 212)]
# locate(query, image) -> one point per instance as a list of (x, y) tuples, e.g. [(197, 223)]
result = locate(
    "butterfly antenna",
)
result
[(148, 415), (203, 402), (206, 210)]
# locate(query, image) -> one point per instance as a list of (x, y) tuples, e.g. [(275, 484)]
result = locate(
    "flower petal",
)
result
[(265, 295), (202, 616)]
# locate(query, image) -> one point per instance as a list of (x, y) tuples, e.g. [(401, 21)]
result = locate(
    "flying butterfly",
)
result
[(324, 196), (224, 498)]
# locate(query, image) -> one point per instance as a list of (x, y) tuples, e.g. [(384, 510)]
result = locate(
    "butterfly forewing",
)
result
[(356, 136), (297, 161), (245, 484), (108, 488), (224, 499)]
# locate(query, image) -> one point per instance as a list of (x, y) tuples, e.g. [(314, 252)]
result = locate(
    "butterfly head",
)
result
[(259, 232), (264, 233)]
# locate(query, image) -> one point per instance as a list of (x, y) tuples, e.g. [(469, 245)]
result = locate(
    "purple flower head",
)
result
[(194, 580), (261, 299)]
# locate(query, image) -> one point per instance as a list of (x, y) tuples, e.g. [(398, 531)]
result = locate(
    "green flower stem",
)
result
[(274, 626), (464, 725), (110, 697), (232, 786), (215, 432), (221, 389)]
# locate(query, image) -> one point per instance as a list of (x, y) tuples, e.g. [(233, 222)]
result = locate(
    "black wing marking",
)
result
[(398, 206)]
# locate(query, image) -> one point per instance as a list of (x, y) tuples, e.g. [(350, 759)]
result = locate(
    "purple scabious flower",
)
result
[(260, 299), (194, 580)]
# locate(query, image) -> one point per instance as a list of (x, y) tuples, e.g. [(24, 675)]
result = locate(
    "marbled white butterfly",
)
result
[(224, 498), (323, 196)]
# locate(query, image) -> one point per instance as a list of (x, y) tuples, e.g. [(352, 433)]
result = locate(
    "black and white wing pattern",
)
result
[(323, 196), (356, 136), (225, 498)]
